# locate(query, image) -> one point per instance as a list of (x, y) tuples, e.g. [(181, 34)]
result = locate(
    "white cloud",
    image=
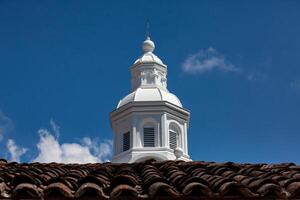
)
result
[(6, 124), (48, 147), (14, 151), (88, 151), (207, 60), (55, 128)]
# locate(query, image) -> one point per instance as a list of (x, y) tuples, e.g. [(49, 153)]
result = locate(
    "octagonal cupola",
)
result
[(149, 122)]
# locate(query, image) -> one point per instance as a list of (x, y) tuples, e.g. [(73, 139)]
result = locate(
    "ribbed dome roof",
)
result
[(148, 57), (150, 94)]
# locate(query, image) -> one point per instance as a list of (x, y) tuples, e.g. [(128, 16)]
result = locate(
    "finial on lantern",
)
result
[(148, 45)]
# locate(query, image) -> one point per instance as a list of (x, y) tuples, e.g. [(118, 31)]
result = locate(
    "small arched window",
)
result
[(173, 139), (174, 136), (149, 137), (126, 141)]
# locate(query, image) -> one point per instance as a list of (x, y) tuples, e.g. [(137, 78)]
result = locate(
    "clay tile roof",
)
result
[(149, 180)]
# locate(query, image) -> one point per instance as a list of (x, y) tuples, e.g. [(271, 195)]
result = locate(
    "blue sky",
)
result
[(235, 65)]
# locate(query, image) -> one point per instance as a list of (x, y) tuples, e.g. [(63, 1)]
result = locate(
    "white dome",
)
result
[(149, 57), (150, 94)]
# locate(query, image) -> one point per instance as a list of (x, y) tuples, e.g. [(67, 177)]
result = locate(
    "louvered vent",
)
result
[(126, 141), (173, 140), (148, 137)]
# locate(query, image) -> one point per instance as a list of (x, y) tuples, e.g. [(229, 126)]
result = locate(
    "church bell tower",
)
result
[(150, 122)]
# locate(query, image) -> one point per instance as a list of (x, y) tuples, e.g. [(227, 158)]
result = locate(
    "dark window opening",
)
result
[(149, 140), (126, 141), (173, 140)]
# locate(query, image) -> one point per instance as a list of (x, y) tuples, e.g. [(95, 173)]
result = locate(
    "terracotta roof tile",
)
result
[(149, 180)]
